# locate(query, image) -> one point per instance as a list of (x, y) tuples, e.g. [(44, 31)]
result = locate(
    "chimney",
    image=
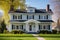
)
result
[(48, 7), (12, 8)]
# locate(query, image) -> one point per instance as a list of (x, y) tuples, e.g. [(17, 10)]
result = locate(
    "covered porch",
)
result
[(30, 26)]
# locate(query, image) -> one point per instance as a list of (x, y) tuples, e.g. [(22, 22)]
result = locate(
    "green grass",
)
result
[(50, 36), (17, 37)]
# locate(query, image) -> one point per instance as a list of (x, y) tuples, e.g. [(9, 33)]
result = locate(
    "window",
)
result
[(21, 26), (40, 27), (31, 17), (45, 17), (41, 16), (20, 17), (14, 17), (31, 10), (13, 27), (49, 27)]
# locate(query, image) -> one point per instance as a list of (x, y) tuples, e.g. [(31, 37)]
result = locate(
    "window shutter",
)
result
[(22, 26), (12, 27), (49, 27), (21, 16), (27, 16), (47, 16), (39, 16), (13, 16), (33, 16), (39, 27)]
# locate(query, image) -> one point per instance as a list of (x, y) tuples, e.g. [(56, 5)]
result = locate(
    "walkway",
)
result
[(37, 36)]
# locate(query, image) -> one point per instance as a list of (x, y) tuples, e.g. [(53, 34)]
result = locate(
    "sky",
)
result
[(37, 3)]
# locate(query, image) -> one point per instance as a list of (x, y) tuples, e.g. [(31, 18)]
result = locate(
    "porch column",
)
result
[(36, 24), (27, 27)]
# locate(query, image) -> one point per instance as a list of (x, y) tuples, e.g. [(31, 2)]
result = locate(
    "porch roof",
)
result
[(28, 20)]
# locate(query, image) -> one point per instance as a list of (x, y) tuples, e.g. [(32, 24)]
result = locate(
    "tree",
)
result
[(3, 26), (6, 5)]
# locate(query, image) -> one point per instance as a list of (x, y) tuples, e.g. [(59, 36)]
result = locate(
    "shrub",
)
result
[(54, 31), (17, 32), (21, 32), (45, 31), (5, 31)]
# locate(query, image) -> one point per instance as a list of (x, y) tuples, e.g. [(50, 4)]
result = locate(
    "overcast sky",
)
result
[(37, 3)]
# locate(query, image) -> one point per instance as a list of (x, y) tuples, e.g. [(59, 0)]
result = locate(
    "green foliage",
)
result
[(45, 32), (3, 26), (17, 32), (54, 31)]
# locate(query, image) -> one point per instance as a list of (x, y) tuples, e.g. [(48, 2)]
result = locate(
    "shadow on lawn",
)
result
[(51, 36), (9, 39)]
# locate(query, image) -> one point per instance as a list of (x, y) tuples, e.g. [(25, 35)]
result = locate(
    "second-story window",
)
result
[(14, 17), (46, 17), (31, 10), (20, 17), (30, 16)]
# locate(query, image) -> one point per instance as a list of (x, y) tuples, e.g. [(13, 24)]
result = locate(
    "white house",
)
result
[(31, 20)]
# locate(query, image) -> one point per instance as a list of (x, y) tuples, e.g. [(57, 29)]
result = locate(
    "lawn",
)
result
[(17, 37), (50, 36)]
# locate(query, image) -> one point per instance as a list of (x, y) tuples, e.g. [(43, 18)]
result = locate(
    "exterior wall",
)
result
[(36, 16)]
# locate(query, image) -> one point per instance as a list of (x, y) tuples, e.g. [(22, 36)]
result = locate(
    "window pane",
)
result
[(20, 17), (14, 17), (49, 27), (13, 27)]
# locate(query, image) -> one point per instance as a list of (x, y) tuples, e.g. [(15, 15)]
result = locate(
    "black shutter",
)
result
[(33, 16), (49, 27), (13, 16), (39, 16), (22, 26), (21, 16), (39, 27), (12, 26), (47, 16), (27, 16)]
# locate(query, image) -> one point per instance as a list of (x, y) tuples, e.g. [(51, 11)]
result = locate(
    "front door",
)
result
[(31, 28)]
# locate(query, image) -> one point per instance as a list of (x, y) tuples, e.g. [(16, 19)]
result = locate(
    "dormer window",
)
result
[(30, 9)]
